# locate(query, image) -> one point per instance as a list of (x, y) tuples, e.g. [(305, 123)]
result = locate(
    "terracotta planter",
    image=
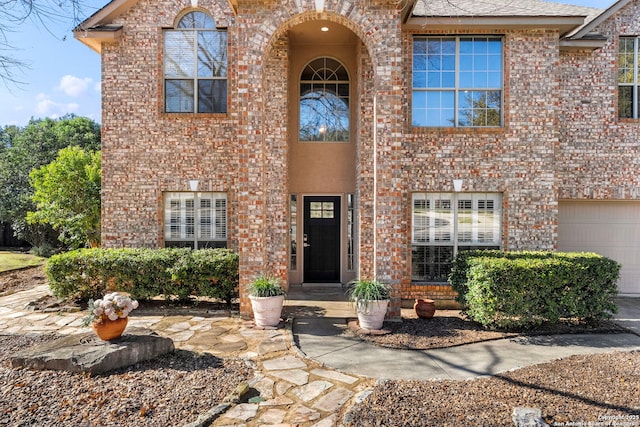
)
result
[(108, 330), (267, 310), (425, 308), (373, 316)]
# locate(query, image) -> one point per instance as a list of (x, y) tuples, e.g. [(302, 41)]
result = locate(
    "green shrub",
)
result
[(207, 272), (144, 273), (460, 270), (525, 289), (43, 250)]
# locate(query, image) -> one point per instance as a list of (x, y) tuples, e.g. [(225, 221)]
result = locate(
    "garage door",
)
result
[(611, 229)]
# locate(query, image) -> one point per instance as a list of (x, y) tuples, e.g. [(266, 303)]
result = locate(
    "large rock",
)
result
[(88, 353), (528, 417)]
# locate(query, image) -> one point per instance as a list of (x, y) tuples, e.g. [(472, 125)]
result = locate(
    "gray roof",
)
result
[(496, 8)]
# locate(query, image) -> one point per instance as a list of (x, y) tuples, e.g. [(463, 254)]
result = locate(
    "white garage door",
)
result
[(611, 229)]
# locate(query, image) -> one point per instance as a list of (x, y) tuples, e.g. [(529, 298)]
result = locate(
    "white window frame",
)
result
[(457, 87), (187, 219), (441, 223)]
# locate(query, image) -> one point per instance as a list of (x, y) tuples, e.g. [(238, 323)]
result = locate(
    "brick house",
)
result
[(329, 140)]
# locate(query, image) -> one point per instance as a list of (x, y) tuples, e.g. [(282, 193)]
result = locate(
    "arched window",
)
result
[(195, 66), (324, 101)]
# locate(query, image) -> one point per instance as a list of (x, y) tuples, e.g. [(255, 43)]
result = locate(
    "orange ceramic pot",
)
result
[(108, 330), (425, 308)]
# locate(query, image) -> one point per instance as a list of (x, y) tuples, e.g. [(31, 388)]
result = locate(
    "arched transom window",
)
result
[(195, 66), (324, 102)]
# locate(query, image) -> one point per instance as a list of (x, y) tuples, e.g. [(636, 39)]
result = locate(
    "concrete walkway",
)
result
[(322, 334), (306, 384), (326, 340)]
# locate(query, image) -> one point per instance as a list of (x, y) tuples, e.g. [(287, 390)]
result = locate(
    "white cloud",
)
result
[(46, 107), (74, 86)]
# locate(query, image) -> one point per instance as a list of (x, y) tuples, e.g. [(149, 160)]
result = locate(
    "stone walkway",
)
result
[(288, 389)]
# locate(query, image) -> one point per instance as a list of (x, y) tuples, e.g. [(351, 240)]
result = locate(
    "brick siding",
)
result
[(561, 137)]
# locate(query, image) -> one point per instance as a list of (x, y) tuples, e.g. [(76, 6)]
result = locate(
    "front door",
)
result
[(321, 240)]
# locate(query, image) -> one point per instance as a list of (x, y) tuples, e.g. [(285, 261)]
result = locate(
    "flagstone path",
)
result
[(288, 389)]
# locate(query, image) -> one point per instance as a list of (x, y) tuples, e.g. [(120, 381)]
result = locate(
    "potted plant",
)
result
[(371, 299), (267, 298), (109, 316)]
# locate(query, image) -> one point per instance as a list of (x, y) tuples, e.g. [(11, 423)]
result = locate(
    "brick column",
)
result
[(251, 173), (390, 226)]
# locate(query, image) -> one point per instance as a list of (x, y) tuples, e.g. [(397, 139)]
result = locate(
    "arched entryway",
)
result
[(323, 139)]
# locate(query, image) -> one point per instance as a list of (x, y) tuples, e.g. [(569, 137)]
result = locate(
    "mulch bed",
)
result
[(450, 328)]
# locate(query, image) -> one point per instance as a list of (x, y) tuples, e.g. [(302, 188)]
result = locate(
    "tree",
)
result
[(15, 12), (67, 196), (33, 146)]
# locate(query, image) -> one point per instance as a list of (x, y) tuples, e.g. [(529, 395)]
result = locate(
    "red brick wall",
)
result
[(561, 137)]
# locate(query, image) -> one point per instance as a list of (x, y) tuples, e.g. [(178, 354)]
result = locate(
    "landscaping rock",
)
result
[(87, 353), (528, 417)]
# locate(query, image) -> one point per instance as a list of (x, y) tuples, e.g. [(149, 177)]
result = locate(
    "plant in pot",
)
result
[(371, 299), (267, 298), (109, 316)]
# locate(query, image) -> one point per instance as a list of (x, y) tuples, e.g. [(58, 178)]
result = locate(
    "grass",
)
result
[(17, 260)]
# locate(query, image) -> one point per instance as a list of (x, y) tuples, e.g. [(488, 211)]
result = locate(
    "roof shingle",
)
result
[(491, 8)]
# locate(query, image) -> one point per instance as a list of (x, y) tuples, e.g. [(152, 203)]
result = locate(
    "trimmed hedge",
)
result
[(524, 289), (144, 273)]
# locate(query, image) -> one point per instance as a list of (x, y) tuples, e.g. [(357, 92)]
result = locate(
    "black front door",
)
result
[(321, 240)]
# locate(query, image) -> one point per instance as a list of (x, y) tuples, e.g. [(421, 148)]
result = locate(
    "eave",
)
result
[(96, 29), (563, 24), (94, 37), (589, 28), (583, 44)]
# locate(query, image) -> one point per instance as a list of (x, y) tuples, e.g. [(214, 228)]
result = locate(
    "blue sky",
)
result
[(64, 75)]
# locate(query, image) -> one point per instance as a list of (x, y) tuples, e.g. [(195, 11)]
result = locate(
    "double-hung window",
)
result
[(445, 223), (457, 81), (628, 85), (195, 220), (195, 66)]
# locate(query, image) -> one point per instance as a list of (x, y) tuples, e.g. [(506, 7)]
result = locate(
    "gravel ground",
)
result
[(593, 390), (168, 391), (19, 280)]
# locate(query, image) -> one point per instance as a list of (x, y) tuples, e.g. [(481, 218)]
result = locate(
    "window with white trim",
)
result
[(457, 81), (195, 66), (195, 220), (445, 223), (628, 84), (324, 101)]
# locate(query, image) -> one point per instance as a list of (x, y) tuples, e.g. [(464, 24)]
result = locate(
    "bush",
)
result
[(144, 273), (525, 289), (460, 266), (208, 272), (43, 250)]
